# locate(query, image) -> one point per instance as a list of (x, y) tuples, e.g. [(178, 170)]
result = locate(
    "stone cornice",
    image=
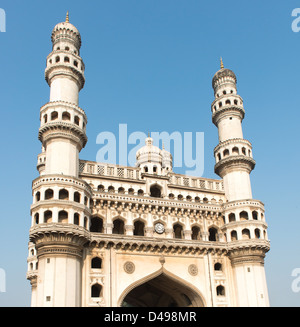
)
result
[(235, 162), (160, 202), (69, 239), (62, 129), (228, 111)]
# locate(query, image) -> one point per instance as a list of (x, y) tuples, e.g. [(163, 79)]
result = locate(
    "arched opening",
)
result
[(118, 226), (54, 115), (196, 233), (140, 192), (96, 290), (243, 215), (96, 263), (47, 216), (231, 217), (257, 233), (235, 150), (254, 215), (139, 228), (76, 219), (162, 291), (77, 197), (226, 153), (233, 235), (121, 190), (155, 191), (37, 196), (220, 290), (101, 188), (177, 231), (131, 191), (48, 194), (63, 217), (66, 116), (245, 234), (36, 218), (96, 225), (212, 236), (218, 266), (111, 189), (63, 194)]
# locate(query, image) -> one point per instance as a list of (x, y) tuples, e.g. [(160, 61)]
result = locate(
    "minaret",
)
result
[(245, 226), (61, 202), (63, 122)]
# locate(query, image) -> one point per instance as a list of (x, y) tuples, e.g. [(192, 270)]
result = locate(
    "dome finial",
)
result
[(221, 63), (67, 17)]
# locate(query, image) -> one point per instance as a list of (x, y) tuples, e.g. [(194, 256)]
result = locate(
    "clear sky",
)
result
[(149, 64)]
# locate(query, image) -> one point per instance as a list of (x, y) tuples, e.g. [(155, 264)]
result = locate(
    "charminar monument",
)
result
[(108, 235)]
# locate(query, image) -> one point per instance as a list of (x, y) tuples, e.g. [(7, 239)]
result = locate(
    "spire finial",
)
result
[(67, 17), (222, 65)]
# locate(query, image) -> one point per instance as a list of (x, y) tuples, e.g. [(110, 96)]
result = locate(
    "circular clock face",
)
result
[(159, 228)]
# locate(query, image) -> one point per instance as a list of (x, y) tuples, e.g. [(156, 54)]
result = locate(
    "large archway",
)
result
[(162, 290)]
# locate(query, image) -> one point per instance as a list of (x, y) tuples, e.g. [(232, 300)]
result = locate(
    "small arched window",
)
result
[(139, 228), (37, 196), (195, 233), (66, 59), (118, 226), (96, 263), (231, 217), (54, 115), (77, 197), (244, 215), (233, 235), (36, 218), (63, 217), (155, 191), (178, 231), (220, 290), (140, 192), (218, 266), (100, 188), (76, 120), (96, 290), (121, 190), (96, 225), (212, 234), (111, 189), (66, 116), (245, 234), (76, 219), (48, 194), (63, 194), (47, 216)]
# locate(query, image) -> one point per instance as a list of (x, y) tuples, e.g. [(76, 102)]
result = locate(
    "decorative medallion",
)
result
[(193, 270), (129, 267), (159, 228)]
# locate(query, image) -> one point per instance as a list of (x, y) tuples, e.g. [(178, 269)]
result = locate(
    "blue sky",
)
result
[(149, 64)]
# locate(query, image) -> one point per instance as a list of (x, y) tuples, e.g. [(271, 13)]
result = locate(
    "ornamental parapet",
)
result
[(150, 201)]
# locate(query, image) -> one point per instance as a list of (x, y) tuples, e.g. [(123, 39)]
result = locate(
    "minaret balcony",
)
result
[(233, 147), (235, 162)]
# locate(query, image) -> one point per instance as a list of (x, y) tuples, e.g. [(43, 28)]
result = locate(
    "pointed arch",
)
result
[(195, 296)]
